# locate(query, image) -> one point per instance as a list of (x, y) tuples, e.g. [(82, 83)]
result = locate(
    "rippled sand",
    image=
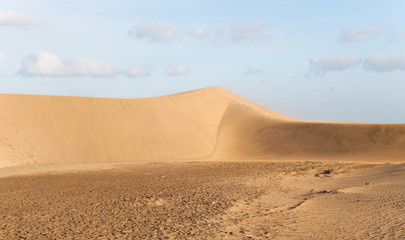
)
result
[(307, 200)]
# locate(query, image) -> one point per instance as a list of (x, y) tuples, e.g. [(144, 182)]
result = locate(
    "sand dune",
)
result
[(210, 122), (249, 134), (48, 129), (242, 183)]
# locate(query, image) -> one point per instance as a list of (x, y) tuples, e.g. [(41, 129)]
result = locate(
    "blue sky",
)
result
[(313, 60)]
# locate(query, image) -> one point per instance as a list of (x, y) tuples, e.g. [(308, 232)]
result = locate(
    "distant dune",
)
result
[(210, 122)]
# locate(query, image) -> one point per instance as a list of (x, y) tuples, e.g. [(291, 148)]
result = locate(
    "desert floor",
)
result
[(205, 200)]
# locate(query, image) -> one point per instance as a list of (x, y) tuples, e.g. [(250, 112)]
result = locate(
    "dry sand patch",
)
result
[(180, 201)]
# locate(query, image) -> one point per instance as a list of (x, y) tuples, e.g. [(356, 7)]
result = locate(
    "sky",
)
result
[(311, 60)]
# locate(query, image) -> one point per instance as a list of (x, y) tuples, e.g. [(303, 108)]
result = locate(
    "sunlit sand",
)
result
[(200, 164)]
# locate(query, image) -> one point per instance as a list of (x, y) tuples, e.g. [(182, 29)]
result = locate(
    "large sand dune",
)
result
[(210, 122), (148, 195)]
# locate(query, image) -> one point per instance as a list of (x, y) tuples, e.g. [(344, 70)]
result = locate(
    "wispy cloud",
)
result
[(176, 70), (359, 34), (48, 64), (325, 64), (17, 19), (160, 31), (165, 31), (376, 62), (253, 71), (206, 34), (249, 32), (383, 63), (139, 71), (397, 37)]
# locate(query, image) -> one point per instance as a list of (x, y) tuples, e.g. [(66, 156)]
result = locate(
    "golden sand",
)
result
[(205, 164)]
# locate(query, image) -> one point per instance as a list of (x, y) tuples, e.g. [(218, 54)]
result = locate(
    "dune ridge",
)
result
[(210, 122), (248, 134)]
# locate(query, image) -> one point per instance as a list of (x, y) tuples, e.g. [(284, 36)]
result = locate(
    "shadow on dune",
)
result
[(251, 134)]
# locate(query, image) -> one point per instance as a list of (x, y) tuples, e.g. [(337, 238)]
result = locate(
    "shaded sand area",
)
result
[(244, 200), (205, 164)]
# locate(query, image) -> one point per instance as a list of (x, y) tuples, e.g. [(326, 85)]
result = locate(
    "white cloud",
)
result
[(139, 71), (249, 32), (176, 70), (359, 34), (397, 37), (17, 19), (48, 64), (1, 61), (383, 62), (253, 71), (321, 65), (206, 34), (160, 31)]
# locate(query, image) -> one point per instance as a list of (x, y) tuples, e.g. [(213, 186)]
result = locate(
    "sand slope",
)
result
[(250, 134), (76, 129), (207, 122)]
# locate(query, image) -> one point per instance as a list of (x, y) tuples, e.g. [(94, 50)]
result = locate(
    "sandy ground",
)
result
[(204, 164), (243, 200)]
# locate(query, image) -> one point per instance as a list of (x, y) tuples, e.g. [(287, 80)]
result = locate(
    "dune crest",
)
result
[(207, 122)]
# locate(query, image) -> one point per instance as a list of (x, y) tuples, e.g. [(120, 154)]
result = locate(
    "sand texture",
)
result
[(210, 122), (205, 164), (254, 200)]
